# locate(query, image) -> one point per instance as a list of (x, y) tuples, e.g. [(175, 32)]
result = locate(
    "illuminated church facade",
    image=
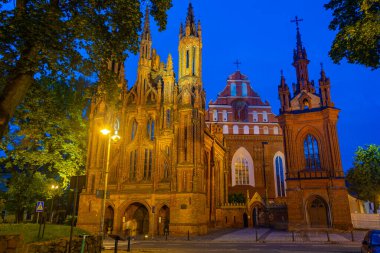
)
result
[(179, 165)]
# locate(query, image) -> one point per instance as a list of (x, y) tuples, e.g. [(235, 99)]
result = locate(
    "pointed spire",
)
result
[(323, 74), (146, 32), (299, 52), (181, 31), (190, 21), (282, 82), (169, 64)]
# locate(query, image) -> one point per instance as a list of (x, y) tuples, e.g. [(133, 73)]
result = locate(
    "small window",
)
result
[(215, 115), (306, 104), (246, 130), (134, 129), (256, 130), (150, 129), (233, 89), (168, 118), (255, 116), (311, 153), (225, 129), (187, 59), (265, 129), (224, 115), (265, 116), (236, 129), (275, 130)]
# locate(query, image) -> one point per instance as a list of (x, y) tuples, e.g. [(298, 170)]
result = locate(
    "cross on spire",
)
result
[(296, 20), (237, 63)]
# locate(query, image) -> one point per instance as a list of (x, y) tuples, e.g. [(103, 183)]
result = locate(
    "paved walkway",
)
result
[(260, 235)]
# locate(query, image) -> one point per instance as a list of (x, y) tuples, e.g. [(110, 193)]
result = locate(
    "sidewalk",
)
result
[(263, 235)]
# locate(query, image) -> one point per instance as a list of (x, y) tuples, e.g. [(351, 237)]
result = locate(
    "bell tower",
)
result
[(316, 192)]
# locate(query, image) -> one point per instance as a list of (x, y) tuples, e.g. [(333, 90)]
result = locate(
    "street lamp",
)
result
[(53, 187), (115, 138), (264, 174)]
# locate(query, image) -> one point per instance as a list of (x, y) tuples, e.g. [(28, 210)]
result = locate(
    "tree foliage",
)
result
[(61, 39), (236, 198), (47, 142), (364, 178), (358, 26)]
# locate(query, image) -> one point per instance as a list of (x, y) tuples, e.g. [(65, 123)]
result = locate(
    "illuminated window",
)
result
[(256, 130), (265, 130), (225, 129), (311, 153), (275, 130), (265, 116), (255, 116), (233, 89), (235, 129), (246, 130), (150, 129), (224, 115), (215, 115), (244, 90), (280, 176), (242, 168), (132, 165), (241, 172)]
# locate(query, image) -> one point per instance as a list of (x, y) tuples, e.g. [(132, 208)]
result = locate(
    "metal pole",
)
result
[(264, 173), (73, 214), (51, 209), (129, 244), (105, 188)]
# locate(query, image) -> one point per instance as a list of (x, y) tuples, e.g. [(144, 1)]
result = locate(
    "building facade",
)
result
[(177, 164)]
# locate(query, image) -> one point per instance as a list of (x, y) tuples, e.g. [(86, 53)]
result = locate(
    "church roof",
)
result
[(237, 75)]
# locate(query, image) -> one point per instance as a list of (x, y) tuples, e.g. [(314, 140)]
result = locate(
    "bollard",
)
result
[(166, 236), (328, 236), (188, 235), (257, 238), (116, 243), (129, 244), (352, 236), (83, 243), (293, 236)]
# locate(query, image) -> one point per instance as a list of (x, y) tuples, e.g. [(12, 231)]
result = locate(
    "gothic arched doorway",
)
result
[(245, 220), (317, 210), (163, 220), (136, 221), (258, 215), (108, 220)]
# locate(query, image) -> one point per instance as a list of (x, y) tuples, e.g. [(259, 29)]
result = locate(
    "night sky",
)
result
[(261, 36)]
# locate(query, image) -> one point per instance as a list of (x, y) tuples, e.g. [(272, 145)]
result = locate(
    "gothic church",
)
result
[(177, 164)]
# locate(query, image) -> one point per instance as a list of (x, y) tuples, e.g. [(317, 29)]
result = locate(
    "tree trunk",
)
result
[(12, 96)]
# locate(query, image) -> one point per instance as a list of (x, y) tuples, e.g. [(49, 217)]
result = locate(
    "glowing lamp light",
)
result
[(105, 131), (115, 138)]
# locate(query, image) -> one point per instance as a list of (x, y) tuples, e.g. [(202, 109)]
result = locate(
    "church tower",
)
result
[(316, 192)]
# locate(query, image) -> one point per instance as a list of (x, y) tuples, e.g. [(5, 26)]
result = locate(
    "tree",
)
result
[(65, 38), (236, 198), (364, 178), (358, 26), (47, 142)]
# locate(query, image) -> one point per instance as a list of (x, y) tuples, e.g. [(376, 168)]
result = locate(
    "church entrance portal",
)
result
[(318, 214), (163, 220), (136, 221), (108, 220), (258, 215)]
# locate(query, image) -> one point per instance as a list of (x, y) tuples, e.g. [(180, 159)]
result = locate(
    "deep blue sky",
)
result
[(261, 35)]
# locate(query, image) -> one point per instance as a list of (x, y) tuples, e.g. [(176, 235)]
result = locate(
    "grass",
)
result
[(30, 231)]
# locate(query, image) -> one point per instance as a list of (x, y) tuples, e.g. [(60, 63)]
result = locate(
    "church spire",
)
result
[(300, 62), (284, 94), (324, 89), (190, 22), (146, 38)]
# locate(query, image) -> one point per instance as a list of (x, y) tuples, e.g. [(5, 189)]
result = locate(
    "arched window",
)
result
[(275, 130), (150, 129), (311, 153), (225, 129), (256, 130), (134, 129), (246, 130), (233, 89), (224, 115), (265, 116), (244, 89), (235, 129), (279, 175), (242, 168), (265, 129), (132, 165), (215, 115), (148, 164), (168, 118)]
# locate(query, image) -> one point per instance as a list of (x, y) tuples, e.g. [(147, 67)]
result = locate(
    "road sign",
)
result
[(40, 207)]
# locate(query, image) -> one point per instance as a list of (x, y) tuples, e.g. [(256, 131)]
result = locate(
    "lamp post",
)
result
[(264, 173), (115, 138), (53, 187)]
